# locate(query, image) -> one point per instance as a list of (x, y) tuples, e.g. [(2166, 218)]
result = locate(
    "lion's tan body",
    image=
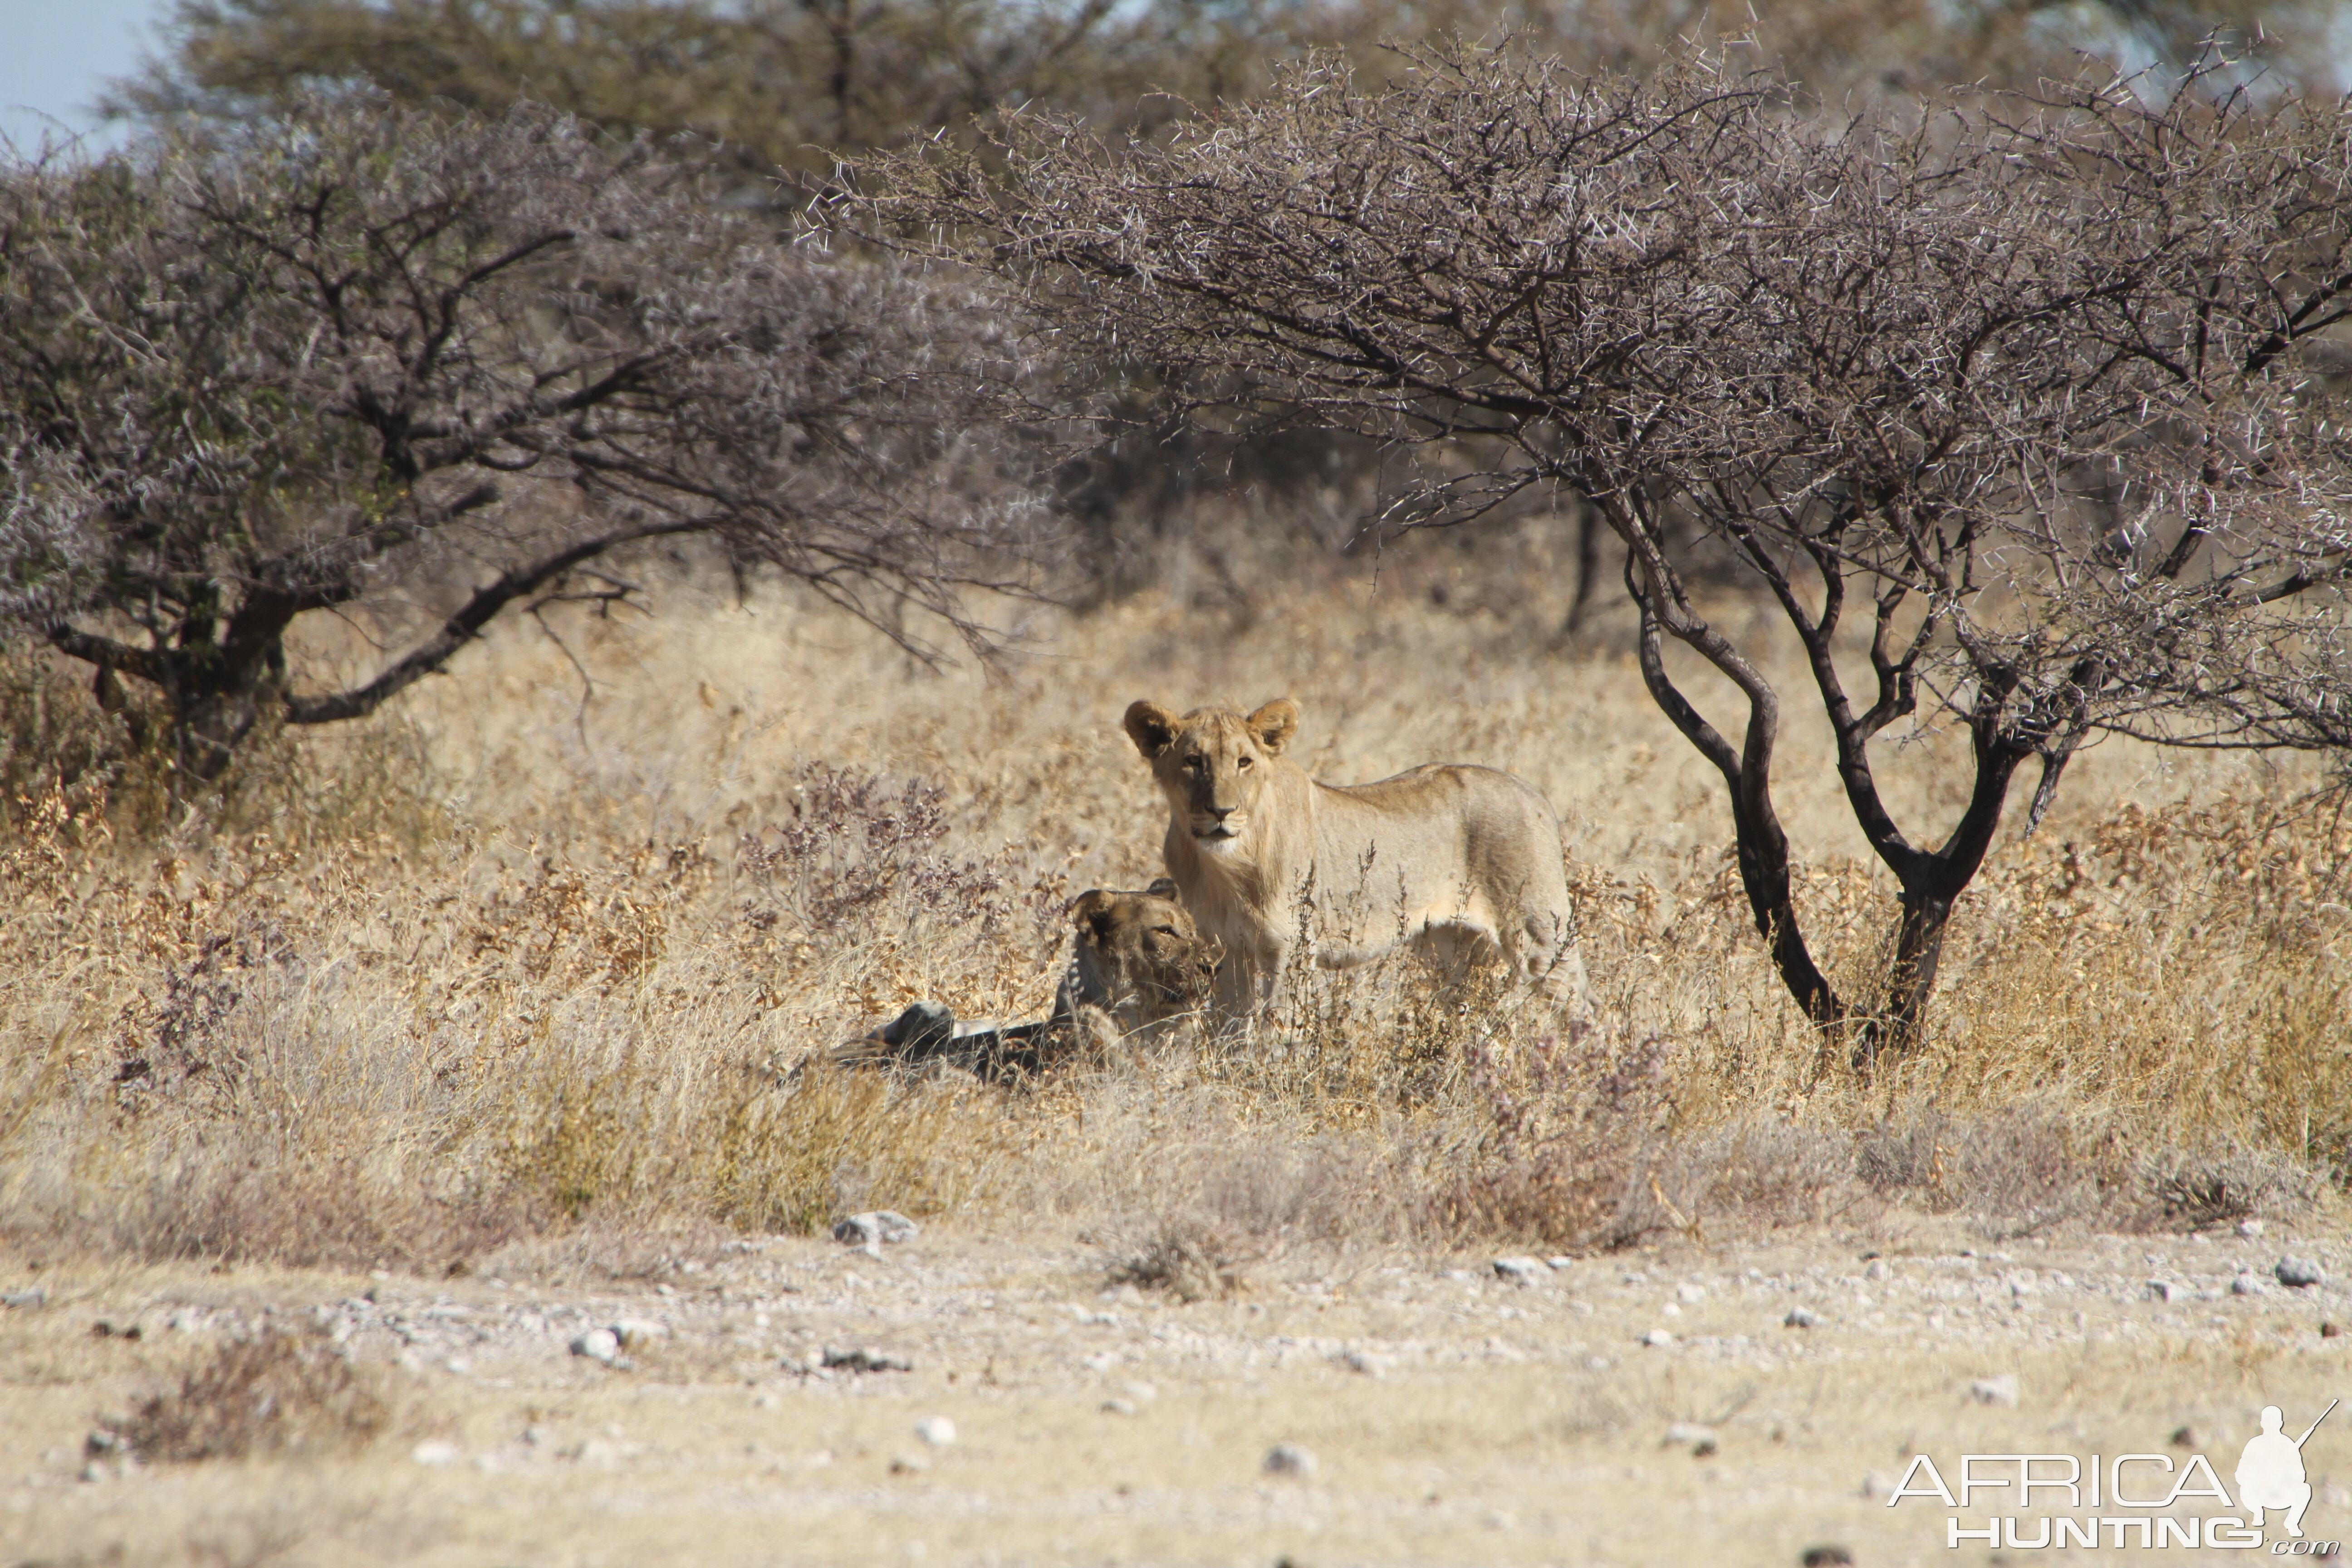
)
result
[(1139, 973), (1137, 958), (1459, 860)]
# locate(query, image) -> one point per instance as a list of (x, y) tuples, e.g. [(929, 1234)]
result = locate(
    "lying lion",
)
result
[(1461, 861), (1138, 970)]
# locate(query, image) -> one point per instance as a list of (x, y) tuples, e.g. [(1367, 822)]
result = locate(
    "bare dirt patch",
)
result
[(1648, 1405)]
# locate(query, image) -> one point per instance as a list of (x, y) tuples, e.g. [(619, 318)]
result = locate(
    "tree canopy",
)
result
[(791, 83), (251, 372)]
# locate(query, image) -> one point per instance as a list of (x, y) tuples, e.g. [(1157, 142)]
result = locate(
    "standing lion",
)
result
[(1456, 859)]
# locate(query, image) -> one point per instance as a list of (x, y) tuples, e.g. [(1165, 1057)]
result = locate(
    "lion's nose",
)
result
[(1223, 812)]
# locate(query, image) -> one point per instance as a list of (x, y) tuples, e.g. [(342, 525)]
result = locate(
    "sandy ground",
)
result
[(1452, 1415)]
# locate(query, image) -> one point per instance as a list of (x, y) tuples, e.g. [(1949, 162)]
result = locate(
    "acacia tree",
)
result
[(1998, 387), (782, 81), (251, 374)]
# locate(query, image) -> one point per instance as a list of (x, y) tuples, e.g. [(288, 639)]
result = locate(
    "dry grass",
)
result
[(508, 969), (268, 1393)]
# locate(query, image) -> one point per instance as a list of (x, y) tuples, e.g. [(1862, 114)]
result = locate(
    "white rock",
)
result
[(2159, 1290), (1687, 1434), (598, 1345), (435, 1453), (1657, 1339), (1522, 1270), (1877, 1269), (1670, 1311), (2245, 1285), (873, 1228), (1559, 1262), (1800, 1317), (1290, 1459), (1690, 1295), (1119, 1406), (1366, 1361), (1143, 1392), (32, 1297), (2002, 1390), (604, 1453), (2299, 1273), (936, 1430), (2250, 1227)]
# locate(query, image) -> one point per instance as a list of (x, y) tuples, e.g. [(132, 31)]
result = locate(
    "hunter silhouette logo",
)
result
[(2270, 1472), (2122, 1501)]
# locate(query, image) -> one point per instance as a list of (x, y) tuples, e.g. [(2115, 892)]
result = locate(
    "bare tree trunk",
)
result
[(1918, 945), (1762, 849), (1761, 844), (1588, 565)]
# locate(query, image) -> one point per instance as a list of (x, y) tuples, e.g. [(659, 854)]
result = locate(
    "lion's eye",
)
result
[(1192, 764), (1163, 930), (1243, 763)]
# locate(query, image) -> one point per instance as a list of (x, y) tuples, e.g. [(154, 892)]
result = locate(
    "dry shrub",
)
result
[(273, 1394), (1191, 1260), (370, 1058), (111, 762), (795, 1158), (53, 737), (326, 1214)]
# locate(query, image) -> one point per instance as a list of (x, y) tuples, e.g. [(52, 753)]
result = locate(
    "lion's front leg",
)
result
[(1248, 984)]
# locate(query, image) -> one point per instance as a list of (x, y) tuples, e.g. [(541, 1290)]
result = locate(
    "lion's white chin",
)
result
[(1217, 840)]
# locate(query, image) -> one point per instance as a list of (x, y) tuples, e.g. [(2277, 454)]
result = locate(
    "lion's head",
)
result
[(1212, 763), (1138, 956)]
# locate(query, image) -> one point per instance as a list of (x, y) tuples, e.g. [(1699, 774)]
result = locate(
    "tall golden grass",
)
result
[(515, 961)]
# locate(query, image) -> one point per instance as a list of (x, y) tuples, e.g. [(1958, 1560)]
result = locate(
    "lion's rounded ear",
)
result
[(1091, 903), (1164, 888), (1274, 724), (1153, 729)]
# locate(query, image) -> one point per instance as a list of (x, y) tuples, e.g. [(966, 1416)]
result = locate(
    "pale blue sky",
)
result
[(56, 54)]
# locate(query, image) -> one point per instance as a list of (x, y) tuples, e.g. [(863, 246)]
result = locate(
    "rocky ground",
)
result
[(961, 1397)]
